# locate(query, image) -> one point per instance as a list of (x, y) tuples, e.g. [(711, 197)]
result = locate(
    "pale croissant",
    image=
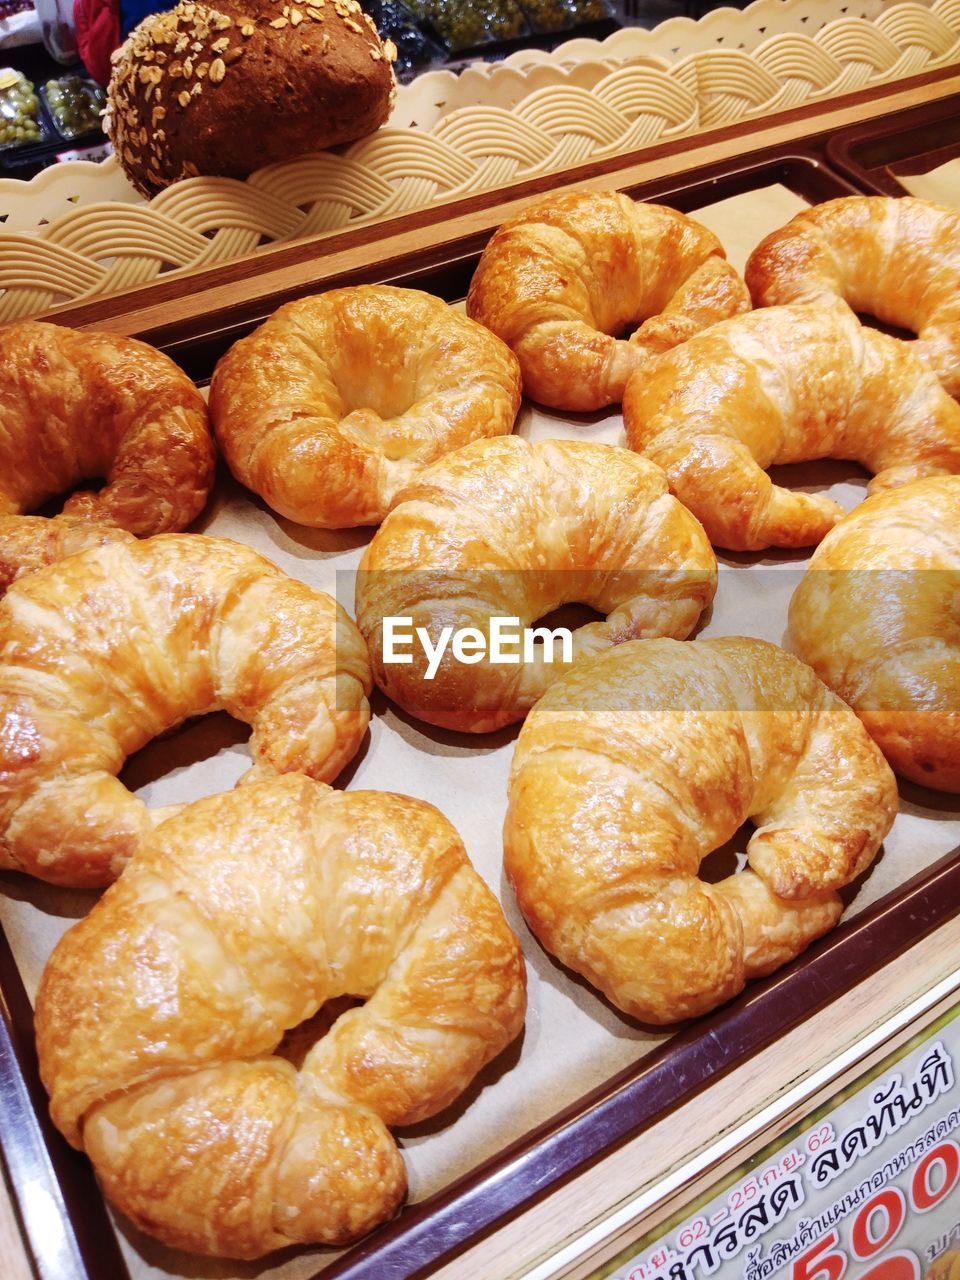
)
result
[(643, 760), (105, 650), (507, 530), (891, 257), (565, 281), (76, 405), (337, 401), (786, 384), (160, 1014), (877, 616)]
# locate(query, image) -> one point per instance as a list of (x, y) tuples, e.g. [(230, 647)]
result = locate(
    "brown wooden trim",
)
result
[(430, 236)]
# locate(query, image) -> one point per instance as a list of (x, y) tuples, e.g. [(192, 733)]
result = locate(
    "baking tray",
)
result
[(72, 1235), (872, 154)]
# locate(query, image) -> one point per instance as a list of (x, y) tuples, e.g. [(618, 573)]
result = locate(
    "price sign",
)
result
[(867, 1187), (99, 151)]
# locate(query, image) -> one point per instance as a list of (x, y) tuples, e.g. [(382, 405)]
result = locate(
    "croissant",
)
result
[(507, 530), (338, 401), (31, 542), (160, 1014), (786, 384), (643, 760), (876, 616), (946, 1266), (105, 650), (564, 281), (77, 405), (894, 258)]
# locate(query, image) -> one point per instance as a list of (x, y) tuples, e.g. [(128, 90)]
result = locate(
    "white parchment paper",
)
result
[(942, 185)]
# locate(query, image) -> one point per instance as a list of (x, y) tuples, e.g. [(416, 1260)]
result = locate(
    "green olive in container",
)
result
[(74, 103), (19, 107), (545, 16), (470, 25), (585, 11)]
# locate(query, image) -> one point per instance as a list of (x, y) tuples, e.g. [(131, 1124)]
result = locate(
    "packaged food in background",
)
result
[(470, 25), (545, 16), (19, 24), (58, 29), (592, 11), (20, 122), (75, 103), (415, 50)]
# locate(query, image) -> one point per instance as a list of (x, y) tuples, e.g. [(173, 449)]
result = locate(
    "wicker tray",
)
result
[(584, 1078)]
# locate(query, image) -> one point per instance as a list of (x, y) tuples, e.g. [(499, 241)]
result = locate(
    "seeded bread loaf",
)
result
[(227, 88)]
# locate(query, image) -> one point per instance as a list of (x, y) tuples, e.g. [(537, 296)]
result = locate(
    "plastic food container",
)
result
[(20, 122), (415, 49), (57, 29), (74, 103), (471, 25), (545, 16), (592, 10), (40, 125)]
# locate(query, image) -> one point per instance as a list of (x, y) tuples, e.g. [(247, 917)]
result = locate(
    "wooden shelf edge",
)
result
[(181, 303)]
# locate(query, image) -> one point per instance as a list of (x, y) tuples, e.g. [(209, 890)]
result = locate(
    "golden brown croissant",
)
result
[(159, 1014), (105, 650), (337, 401), (640, 762), (786, 384), (877, 616), (945, 1267), (893, 258), (30, 542), (77, 405), (564, 280), (505, 529)]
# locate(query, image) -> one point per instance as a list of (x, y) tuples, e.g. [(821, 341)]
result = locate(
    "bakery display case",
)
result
[(906, 156), (597, 1145), (78, 231)]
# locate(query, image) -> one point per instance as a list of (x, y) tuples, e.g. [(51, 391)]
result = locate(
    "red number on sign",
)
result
[(740, 1195), (821, 1259), (945, 1157), (819, 1136), (895, 1266), (877, 1223), (692, 1231)]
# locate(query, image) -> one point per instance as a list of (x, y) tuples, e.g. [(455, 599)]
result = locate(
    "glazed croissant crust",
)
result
[(877, 616), (506, 529), (160, 1014), (891, 257), (643, 760), (786, 384), (564, 281), (32, 542), (105, 650), (77, 405), (338, 401)]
